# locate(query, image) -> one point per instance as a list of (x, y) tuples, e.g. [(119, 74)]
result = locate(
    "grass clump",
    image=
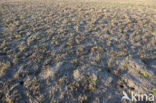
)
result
[(154, 92), (144, 74), (125, 65), (75, 62), (3, 67), (83, 90), (15, 59)]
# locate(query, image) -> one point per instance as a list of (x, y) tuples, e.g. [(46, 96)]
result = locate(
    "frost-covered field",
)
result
[(75, 51)]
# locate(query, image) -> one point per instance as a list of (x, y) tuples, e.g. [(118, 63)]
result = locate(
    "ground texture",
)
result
[(76, 52)]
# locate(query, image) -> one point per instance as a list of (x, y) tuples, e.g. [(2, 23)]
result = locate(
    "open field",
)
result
[(66, 51)]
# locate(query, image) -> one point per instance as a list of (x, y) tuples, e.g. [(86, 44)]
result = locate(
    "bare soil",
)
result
[(74, 51)]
